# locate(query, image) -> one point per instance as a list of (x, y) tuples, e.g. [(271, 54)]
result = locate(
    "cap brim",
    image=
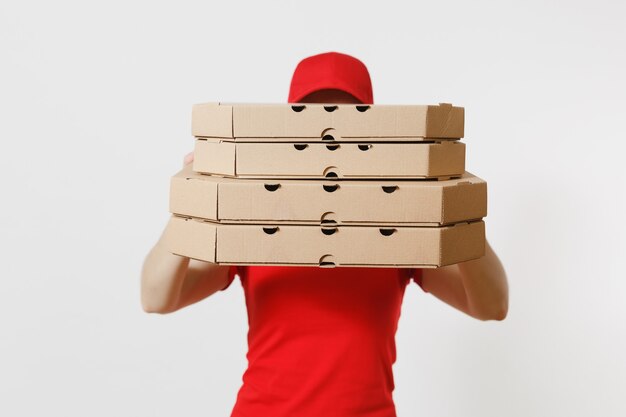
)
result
[(322, 86)]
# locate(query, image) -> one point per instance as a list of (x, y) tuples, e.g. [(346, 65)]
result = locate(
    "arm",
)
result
[(478, 288), (170, 282)]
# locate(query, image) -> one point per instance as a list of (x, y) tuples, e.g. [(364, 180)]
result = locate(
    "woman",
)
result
[(322, 341)]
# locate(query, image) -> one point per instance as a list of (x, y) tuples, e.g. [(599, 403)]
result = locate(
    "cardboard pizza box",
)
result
[(248, 244), (322, 122), (384, 202), (338, 160)]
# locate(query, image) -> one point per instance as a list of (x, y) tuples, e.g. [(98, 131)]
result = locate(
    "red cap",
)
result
[(331, 70)]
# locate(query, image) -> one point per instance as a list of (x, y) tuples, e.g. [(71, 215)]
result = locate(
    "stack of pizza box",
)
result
[(328, 185)]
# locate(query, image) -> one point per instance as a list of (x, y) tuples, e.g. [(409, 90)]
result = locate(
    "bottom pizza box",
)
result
[(250, 244)]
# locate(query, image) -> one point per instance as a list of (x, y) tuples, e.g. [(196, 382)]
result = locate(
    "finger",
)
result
[(188, 158)]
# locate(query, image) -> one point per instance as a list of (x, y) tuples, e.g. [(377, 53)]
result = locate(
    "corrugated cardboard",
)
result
[(319, 160), (414, 202), (316, 122), (319, 246)]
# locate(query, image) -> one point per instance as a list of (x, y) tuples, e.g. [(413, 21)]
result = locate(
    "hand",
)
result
[(188, 159)]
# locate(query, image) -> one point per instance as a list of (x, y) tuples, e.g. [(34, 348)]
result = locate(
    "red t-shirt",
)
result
[(321, 341)]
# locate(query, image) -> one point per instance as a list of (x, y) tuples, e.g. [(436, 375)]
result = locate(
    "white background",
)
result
[(95, 106)]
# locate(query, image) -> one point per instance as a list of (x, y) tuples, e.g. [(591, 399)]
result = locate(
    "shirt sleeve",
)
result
[(417, 277), (232, 271)]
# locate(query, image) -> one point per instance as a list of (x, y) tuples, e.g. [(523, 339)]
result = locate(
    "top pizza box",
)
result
[(327, 122)]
